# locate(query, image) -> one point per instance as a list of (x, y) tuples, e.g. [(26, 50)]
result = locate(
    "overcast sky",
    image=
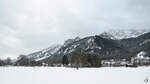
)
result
[(31, 25)]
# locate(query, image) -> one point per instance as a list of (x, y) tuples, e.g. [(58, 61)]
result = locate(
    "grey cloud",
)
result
[(30, 25)]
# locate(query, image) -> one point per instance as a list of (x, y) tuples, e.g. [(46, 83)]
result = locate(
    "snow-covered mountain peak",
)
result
[(123, 33), (45, 53)]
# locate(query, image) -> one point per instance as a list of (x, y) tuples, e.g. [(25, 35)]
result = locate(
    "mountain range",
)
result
[(110, 44)]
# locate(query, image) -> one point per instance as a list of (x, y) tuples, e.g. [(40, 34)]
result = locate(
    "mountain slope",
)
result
[(141, 43), (45, 53), (105, 46), (124, 34)]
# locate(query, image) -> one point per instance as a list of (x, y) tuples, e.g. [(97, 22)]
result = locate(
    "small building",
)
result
[(141, 59), (112, 62)]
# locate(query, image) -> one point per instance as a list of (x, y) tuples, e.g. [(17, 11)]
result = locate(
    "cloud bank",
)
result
[(31, 25)]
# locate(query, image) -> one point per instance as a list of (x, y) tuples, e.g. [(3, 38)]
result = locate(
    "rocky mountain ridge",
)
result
[(105, 45)]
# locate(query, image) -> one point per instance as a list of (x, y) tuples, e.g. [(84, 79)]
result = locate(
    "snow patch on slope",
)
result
[(91, 44), (45, 53)]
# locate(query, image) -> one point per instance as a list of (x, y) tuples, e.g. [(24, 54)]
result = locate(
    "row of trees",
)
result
[(7, 61), (82, 60), (77, 59), (22, 60)]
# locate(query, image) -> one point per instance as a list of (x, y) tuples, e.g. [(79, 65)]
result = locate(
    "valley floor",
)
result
[(62, 75)]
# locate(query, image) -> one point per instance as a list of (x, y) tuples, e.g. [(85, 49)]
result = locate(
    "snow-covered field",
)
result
[(60, 75)]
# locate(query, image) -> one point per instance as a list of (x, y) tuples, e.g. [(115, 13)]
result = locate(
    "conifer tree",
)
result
[(65, 60)]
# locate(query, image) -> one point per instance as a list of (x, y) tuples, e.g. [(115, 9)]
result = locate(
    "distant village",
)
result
[(139, 60)]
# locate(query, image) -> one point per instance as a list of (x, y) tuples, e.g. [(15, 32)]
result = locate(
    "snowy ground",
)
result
[(55, 75)]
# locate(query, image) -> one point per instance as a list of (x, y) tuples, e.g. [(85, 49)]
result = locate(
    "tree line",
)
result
[(83, 59), (77, 59)]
